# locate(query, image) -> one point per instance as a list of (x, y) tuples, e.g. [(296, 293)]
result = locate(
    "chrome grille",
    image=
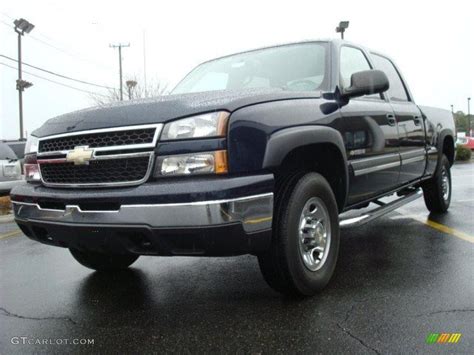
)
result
[(121, 156), (98, 140), (109, 171)]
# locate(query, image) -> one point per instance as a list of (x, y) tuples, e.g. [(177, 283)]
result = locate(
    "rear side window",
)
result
[(352, 61), (397, 91)]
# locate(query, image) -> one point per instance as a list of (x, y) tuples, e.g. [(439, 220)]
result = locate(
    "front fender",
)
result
[(283, 142), (314, 139)]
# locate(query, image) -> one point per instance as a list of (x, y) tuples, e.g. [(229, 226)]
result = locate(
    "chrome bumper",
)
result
[(253, 212), (7, 185)]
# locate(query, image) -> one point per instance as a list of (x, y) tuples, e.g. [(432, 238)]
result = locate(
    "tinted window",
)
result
[(352, 61), (299, 67), (396, 91), (18, 148), (6, 152)]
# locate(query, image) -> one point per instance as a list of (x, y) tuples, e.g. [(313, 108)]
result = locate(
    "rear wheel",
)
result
[(305, 241), (437, 191), (103, 262)]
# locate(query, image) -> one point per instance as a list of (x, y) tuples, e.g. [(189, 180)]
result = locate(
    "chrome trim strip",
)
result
[(378, 157), (97, 157), (254, 212), (376, 168), (108, 184), (120, 156), (372, 164), (158, 128), (413, 153), (412, 160), (52, 161)]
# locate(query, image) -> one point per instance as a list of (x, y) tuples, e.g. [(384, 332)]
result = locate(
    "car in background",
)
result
[(10, 169), (467, 142)]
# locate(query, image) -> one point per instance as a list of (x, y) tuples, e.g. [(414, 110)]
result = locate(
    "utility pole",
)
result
[(119, 46), (21, 27)]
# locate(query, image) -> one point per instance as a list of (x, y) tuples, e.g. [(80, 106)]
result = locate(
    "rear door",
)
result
[(370, 134), (410, 122)]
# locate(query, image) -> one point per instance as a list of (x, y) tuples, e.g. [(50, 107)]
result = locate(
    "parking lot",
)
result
[(398, 279)]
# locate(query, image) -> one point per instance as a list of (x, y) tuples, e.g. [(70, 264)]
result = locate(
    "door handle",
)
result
[(417, 120), (391, 119)]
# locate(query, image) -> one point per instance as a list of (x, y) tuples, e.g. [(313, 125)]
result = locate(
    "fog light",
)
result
[(192, 164)]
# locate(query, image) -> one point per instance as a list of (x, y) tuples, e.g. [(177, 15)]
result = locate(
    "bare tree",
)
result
[(154, 88)]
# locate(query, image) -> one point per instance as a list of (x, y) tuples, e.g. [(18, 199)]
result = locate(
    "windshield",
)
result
[(297, 67)]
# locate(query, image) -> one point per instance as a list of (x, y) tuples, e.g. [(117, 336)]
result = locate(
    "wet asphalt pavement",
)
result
[(397, 280)]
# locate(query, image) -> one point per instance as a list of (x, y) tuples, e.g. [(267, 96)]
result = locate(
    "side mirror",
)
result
[(366, 82)]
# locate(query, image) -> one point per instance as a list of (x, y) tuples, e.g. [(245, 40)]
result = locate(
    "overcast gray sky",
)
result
[(432, 43)]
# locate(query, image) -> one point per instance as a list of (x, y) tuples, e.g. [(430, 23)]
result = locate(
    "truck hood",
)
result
[(163, 109)]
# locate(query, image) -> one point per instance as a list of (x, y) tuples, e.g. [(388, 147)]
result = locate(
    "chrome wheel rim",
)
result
[(445, 184), (314, 233)]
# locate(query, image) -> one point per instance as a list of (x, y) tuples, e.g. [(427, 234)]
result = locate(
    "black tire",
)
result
[(283, 266), (436, 199), (103, 262)]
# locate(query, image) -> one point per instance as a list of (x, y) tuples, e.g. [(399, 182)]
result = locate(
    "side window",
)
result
[(352, 61), (397, 91)]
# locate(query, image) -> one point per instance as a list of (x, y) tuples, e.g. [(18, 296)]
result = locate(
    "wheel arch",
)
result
[(311, 148), (446, 146)]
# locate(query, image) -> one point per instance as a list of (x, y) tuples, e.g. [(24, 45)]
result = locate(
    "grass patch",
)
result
[(5, 205)]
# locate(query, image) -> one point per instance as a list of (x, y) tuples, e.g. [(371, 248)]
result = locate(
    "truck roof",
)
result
[(334, 41)]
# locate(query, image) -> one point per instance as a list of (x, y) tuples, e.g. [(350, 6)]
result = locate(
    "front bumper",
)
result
[(7, 185), (120, 221)]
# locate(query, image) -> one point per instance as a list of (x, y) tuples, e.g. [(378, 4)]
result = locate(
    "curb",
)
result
[(6, 218)]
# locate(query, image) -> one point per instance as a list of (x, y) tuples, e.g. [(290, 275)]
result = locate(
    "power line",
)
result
[(120, 46), (59, 75), (55, 82), (6, 24), (72, 54)]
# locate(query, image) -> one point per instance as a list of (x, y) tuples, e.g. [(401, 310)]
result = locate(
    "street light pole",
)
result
[(119, 46), (343, 25), (469, 116), (20, 90), (21, 26)]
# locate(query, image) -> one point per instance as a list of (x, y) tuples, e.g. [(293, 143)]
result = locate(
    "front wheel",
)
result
[(305, 241), (103, 262), (437, 190)]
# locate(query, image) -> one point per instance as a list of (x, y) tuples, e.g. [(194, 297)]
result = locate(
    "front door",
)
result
[(369, 129)]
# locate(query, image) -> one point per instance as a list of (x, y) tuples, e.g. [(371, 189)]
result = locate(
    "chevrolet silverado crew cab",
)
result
[(262, 152)]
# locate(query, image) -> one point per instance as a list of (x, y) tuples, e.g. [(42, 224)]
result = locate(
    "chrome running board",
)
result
[(379, 211)]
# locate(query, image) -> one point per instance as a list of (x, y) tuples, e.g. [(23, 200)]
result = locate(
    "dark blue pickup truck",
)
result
[(261, 152)]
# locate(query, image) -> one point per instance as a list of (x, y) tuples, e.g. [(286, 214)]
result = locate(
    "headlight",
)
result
[(192, 164), (31, 145), (207, 125)]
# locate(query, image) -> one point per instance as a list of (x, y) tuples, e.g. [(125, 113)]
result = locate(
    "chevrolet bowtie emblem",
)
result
[(80, 155)]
